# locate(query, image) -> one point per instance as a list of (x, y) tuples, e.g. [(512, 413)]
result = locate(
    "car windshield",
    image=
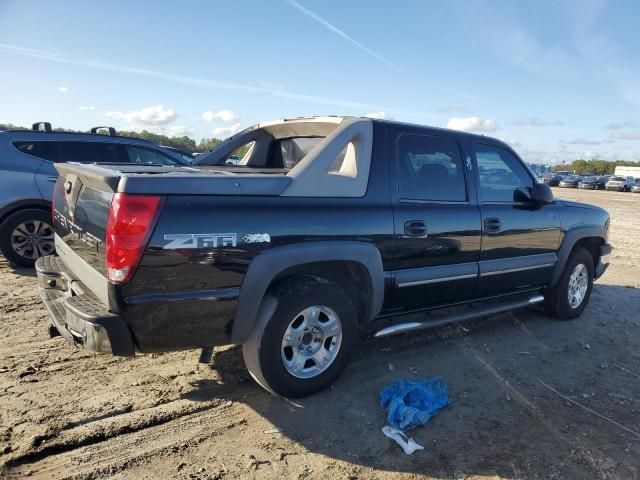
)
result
[(589, 179), (617, 179), (571, 178)]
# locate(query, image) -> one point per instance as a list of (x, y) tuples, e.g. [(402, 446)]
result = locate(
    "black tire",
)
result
[(557, 302), (28, 257), (263, 351)]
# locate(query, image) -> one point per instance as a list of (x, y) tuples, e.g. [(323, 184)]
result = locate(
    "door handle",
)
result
[(492, 224), (415, 228)]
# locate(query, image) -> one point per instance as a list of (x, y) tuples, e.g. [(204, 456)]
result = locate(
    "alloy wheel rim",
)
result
[(578, 283), (32, 239), (311, 342)]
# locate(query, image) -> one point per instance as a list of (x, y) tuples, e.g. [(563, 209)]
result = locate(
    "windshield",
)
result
[(589, 179), (617, 179)]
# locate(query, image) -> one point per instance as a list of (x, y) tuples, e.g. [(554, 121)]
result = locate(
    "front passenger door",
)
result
[(519, 237)]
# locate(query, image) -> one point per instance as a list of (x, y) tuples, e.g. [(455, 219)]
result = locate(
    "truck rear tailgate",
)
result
[(84, 194)]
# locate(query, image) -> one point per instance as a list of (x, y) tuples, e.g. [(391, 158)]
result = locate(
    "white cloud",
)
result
[(86, 108), (536, 122), (513, 143), (223, 132), (472, 124), (63, 89), (378, 115), (225, 115), (178, 131), (155, 115), (626, 135)]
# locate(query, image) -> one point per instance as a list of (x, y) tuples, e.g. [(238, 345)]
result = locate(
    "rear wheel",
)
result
[(304, 339), (570, 296), (26, 235)]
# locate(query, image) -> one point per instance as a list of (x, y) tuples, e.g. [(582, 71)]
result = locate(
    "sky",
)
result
[(558, 80)]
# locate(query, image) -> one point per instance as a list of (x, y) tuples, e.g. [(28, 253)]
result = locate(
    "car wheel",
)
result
[(306, 330), (26, 235), (570, 296)]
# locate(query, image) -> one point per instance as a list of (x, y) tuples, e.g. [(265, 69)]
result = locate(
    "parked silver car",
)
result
[(621, 184), (27, 177)]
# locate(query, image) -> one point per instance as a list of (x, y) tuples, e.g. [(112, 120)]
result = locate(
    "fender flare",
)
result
[(569, 241), (266, 266)]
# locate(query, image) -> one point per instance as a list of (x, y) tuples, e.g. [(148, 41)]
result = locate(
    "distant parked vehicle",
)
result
[(592, 183), (27, 177), (233, 160), (569, 182), (620, 184), (635, 188), (551, 179), (564, 173)]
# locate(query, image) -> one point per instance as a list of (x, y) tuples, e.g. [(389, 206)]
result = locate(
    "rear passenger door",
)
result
[(436, 219), (520, 238)]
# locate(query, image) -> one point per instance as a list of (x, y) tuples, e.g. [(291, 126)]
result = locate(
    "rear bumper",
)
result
[(615, 188), (603, 262), (78, 315)]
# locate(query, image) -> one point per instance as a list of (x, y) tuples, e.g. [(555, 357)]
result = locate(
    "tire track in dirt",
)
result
[(111, 442)]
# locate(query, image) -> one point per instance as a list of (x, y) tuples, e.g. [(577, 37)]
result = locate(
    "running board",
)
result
[(460, 317)]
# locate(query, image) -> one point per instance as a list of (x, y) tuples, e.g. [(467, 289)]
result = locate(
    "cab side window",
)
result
[(500, 174), (430, 169), (76, 152), (46, 150), (142, 155)]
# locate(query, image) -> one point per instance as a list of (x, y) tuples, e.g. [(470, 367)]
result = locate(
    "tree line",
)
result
[(595, 167)]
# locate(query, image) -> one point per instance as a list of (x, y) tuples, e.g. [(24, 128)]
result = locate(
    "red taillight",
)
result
[(131, 220)]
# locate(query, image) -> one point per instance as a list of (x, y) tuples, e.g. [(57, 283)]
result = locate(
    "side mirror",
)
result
[(542, 194)]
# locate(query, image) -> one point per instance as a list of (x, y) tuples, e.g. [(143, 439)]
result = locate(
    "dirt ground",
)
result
[(532, 397)]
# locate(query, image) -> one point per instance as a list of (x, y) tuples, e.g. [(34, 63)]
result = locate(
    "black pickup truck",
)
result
[(327, 227)]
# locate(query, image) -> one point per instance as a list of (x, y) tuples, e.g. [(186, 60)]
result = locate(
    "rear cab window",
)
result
[(430, 169)]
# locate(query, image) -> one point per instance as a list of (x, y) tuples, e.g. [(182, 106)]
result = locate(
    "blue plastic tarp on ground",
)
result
[(412, 404)]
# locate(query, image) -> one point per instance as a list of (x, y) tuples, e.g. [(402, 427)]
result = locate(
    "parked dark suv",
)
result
[(27, 177)]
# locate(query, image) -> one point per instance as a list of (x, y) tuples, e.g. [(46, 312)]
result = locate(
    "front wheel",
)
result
[(26, 235), (570, 296), (304, 338)]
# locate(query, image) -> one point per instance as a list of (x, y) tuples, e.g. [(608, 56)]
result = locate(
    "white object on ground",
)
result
[(409, 445)]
